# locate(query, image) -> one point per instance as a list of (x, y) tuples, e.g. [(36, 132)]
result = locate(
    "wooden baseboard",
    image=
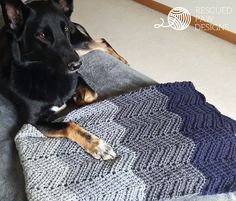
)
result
[(195, 22)]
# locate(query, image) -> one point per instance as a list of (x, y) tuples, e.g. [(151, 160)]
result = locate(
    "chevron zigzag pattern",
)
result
[(170, 143)]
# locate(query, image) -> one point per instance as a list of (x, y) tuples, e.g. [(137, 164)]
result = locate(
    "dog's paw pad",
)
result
[(104, 151)]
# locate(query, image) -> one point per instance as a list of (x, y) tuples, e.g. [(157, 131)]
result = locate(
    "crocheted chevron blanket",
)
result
[(170, 143)]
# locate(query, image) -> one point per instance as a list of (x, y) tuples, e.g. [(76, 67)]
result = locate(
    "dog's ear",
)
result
[(66, 5), (15, 14)]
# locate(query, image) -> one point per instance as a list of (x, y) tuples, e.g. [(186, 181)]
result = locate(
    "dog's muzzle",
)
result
[(74, 66)]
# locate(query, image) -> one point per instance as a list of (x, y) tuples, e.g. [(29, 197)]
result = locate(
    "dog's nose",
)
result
[(75, 65)]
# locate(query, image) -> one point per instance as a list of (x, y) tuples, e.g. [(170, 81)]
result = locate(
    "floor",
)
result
[(164, 54)]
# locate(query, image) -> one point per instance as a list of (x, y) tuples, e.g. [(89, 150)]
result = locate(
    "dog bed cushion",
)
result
[(170, 143)]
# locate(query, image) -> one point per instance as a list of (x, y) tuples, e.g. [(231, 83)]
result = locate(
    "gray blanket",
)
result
[(170, 143)]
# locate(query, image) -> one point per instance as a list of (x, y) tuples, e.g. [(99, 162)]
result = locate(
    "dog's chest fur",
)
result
[(41, 91), (38, 85)]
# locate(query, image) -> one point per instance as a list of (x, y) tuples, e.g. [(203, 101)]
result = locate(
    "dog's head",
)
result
[(42, 31)]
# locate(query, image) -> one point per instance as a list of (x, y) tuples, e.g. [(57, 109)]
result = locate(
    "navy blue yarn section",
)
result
[(213, 134)]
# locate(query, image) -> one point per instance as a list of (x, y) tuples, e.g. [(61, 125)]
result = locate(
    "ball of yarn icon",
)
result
[(179, 18)]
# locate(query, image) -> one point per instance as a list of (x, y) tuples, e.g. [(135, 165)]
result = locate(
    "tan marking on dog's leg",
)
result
[(89, 142), (101, 44), (110, 50), (85, 95)]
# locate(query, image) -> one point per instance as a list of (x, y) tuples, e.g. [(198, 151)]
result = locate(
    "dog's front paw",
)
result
[(102, 150), (89, 142)]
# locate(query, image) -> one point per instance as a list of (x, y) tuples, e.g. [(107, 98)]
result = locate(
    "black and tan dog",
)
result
[(40, 59)]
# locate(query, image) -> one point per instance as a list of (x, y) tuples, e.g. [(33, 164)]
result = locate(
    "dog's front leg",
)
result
[(84, 94), (89, 142)]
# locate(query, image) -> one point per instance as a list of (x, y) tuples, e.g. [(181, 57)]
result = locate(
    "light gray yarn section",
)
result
[(57, 169)]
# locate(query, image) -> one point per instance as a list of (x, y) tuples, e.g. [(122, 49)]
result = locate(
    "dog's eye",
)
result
[(66, 29), (41, 36)]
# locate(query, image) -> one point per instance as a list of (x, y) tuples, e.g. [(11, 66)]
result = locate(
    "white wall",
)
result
[(218, 12)]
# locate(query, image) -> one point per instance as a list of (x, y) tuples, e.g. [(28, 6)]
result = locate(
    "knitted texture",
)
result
[(170, 143)]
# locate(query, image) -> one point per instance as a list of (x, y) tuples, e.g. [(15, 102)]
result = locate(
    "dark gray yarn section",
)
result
[(163, 153)]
